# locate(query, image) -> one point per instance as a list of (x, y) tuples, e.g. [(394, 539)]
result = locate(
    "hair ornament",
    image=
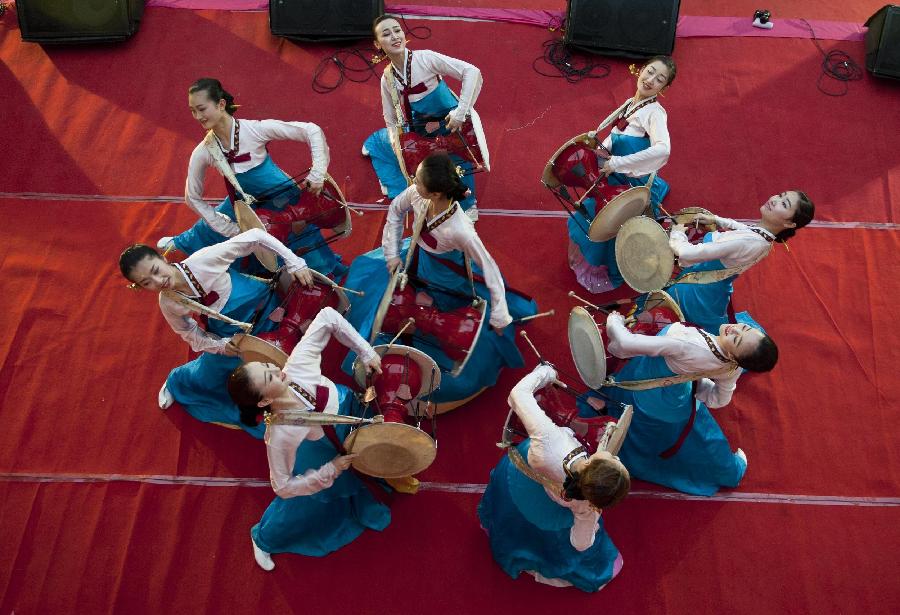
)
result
[(460, 171), (633, 69), (133, 286)]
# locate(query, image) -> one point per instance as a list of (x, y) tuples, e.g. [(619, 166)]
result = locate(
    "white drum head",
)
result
[(247, 219), (391, 450), (381, 312), (253, 349), (621, 208), (482, 140), (587, 347), (643, 254)]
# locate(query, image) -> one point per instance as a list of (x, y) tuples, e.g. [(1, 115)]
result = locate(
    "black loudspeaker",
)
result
[(883, 42), (631, 28), (78, 21), (323, 20)]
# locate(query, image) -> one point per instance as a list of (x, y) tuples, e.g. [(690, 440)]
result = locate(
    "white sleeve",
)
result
[(693, 253), (728, 223), (193, 195), (242, 245), (654, 157), (287, 485), (625, 344), (387, 103), (393, 223), (306, 358), (584, 530), (474, 248), (521, 400), (187, 328), (717, 393), (468, 74), (307, 132)]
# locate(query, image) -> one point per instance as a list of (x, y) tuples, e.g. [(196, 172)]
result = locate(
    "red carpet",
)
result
[(83, 357)]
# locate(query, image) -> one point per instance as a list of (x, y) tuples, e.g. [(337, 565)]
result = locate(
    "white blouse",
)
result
[(254, 135), (650, 121), (210, 266), (456, 233), (304, 368), (426, 67), (738, 246), (684, 350), (549, 446)]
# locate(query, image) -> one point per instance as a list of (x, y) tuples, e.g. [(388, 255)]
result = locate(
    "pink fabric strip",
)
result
[(688, 25)]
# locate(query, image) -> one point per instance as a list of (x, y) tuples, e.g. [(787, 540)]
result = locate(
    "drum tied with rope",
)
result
[(413, 146)]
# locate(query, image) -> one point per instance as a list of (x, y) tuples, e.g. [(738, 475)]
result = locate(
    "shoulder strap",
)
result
[(516, 458), (212, 146), (653, 383)]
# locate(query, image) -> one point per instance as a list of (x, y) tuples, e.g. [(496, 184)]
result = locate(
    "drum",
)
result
[(587, 333), (577, 165), (469, 143), (643, 255), (594, 433), (455, 332), (327, 210), (395, 448), (695, 232), (298, 308)]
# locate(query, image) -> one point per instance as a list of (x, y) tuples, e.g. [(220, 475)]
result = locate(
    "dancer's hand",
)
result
[(393, 263), (314, 187), (231, 349), (452, 124), (304, 276), (607, 170), (342, 462), (374, 364), (498, 330)]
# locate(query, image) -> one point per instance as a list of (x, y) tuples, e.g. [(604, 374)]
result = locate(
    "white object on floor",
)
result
[(740, 453), (765, 26), (262, 558), (164, 398), (364, 151), (383, 188)]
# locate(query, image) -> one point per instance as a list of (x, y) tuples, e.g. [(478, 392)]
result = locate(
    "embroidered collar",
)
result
[(443, 217), (235, 138), (408, 70), (622, 121), (307, 397), (191, 279), (763, 233), (572, 456), (713, 348)]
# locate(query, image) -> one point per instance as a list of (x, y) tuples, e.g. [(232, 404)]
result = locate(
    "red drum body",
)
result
[(395, 448), (415, 147), (455, 330), (579, 164)]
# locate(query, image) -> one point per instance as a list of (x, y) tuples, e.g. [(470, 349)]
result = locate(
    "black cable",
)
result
[(573, 70), (350, 63), (836, 65), (412, 31)]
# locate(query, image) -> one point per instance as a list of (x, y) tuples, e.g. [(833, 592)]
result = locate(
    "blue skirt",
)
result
[(262, 178), (599, 255), (705, 461), (200, 385), (323, 522), (436, 105), (530, 532), (492, 352)]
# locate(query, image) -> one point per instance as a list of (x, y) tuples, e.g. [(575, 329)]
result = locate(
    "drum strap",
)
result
[(221, 162), (522, 465), (711, 277), (653, 383), (318, 401), (670, 452)]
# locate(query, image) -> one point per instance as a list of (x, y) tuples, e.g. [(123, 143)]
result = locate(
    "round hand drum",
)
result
[(643, 255), (456, 331), (298, 308), (394, 448), (468, 143)]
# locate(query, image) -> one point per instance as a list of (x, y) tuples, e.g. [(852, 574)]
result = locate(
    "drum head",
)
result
[(482, 141), (686, 216), (587, 347), (548, 177), (623, 207), (426, 364), (346, 227), (254, 349), (247, 219), (391, 450), (643, 254), (460, 365), (617, 439), (381, 312), (660, 298)]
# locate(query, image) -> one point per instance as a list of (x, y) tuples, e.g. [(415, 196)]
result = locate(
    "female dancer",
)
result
[(554, 534), (206, 277), (414, 96), (237, 148), (446, 240), (320, 507), (639, 143), (674, 440), (729, 254)]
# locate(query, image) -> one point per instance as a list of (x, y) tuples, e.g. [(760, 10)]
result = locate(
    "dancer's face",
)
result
[(205, 110), (652, 79), (267, 379), (153, 273), (780, 209), (739, 340), (389, 37)]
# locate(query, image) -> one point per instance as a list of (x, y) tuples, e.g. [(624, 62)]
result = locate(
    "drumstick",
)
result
[(349, 290), (525, 335), (194, 306), (532, 317), (409, 321), (584, 301)]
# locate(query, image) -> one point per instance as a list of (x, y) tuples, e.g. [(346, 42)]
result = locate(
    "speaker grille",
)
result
[(78, 20), (324, 20), (883, 42), (639, 28)]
